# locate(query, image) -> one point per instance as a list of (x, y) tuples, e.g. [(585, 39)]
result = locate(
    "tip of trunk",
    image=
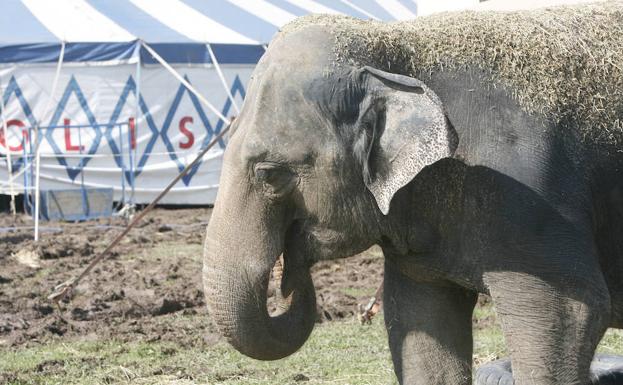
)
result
[(242, 317)]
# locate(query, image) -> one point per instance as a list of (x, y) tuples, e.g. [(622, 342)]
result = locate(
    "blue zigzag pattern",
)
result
[(73, 88)]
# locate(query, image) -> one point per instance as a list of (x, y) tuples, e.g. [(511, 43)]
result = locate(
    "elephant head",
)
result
[(315, 159)]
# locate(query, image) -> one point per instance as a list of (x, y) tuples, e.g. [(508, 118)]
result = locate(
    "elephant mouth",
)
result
[(289, 269), (282, 287), (294, 263)]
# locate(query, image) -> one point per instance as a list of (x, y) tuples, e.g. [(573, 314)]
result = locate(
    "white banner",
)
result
[(97, 134)]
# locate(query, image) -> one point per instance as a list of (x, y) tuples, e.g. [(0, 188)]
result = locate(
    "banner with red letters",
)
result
[(105, 128)]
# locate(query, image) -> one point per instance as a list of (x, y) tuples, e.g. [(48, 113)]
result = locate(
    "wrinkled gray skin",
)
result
[(484, 199)]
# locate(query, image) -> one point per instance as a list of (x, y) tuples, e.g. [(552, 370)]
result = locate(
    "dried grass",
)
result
[(563, 63)]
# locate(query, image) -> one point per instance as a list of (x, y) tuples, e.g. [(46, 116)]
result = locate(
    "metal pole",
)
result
[(83, 190), (26, 183), (8, 159), (131, 161), (132, 148), (38, 139), (121, 151), (65, 288)]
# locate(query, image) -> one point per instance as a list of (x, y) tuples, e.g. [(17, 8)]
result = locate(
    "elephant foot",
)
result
[(606, 369)]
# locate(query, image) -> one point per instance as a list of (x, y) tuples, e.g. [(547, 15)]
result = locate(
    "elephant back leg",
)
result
[(552, 321), (429, 329)]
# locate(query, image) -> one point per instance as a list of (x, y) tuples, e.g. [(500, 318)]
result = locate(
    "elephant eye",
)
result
[(268, 172), (276, 180)]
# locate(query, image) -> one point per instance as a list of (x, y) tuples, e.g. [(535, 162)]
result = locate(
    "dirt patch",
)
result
[(149, 289)]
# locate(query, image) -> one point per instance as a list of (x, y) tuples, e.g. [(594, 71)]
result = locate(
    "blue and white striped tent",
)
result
[(88, 80), (103, 30)]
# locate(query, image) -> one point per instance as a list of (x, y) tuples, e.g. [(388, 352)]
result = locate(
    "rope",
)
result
[(184, 82), (217, 67)]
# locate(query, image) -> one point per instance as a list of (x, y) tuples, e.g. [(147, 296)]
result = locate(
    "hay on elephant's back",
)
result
[(564, 63)]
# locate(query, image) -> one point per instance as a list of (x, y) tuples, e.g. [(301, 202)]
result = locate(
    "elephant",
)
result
[(472, 179)]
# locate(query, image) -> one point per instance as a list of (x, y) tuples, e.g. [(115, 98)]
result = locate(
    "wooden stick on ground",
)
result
[(62, 290)]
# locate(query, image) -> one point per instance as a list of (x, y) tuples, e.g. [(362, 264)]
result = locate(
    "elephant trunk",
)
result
[(236, 272)]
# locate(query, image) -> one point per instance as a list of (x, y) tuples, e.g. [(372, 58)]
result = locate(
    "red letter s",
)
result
[(187, 133)]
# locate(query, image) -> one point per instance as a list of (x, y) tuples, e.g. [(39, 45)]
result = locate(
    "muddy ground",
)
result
[(148, 289)]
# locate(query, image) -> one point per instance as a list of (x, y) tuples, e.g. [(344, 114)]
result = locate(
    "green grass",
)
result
[(488, 338), (339, 353), (612, 343)]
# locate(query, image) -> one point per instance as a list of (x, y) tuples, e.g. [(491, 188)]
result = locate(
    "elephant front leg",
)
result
[(430, 330)]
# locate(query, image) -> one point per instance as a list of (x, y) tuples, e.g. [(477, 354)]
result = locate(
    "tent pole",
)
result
[(27, 166), (135, 134), (123, 170), (83, 190), (38, 139), (186, 84), (222, 77), (9, 163)]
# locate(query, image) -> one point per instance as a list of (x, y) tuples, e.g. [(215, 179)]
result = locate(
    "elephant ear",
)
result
[(402, 129)]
